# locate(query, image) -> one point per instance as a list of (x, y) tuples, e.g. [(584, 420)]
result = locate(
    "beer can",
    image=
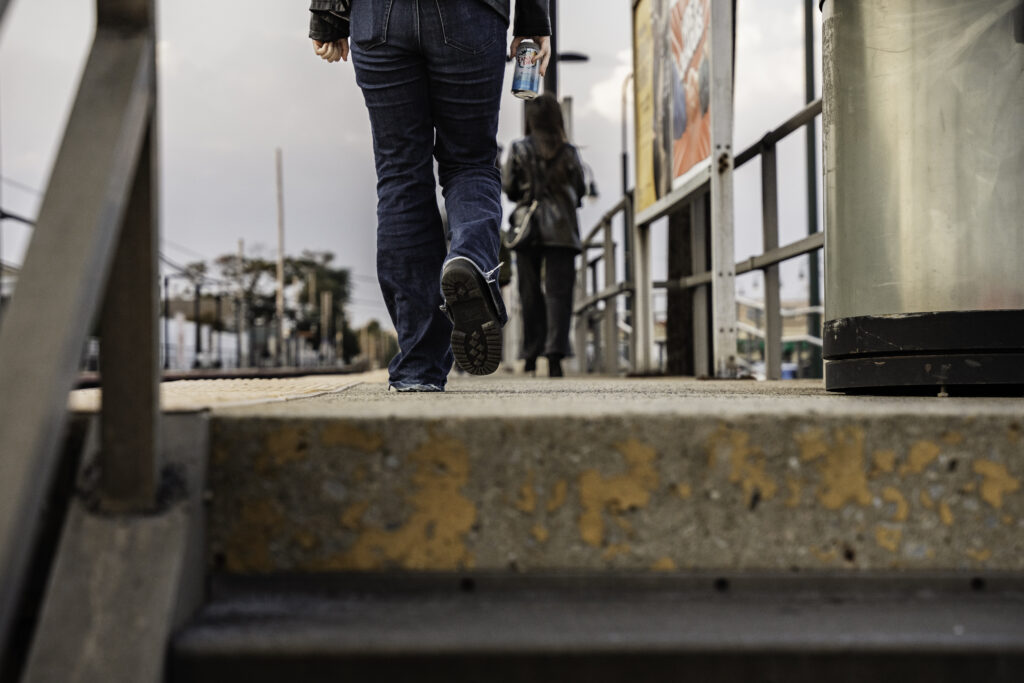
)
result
[(526, 79)]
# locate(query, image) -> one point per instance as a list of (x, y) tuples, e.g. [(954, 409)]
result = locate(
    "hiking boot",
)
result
[(476, 339)]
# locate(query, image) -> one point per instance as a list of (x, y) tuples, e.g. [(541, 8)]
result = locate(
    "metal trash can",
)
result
[(923, 126)]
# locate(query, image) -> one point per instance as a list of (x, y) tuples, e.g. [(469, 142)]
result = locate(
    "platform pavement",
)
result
[(523, 474)]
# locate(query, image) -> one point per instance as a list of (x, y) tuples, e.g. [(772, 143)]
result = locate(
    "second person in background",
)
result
[(544, 176)]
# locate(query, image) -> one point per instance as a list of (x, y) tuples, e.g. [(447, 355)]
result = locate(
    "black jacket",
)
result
[(557, 185), (329, 18)]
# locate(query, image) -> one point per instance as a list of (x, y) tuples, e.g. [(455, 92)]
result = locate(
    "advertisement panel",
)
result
[(672, 81)]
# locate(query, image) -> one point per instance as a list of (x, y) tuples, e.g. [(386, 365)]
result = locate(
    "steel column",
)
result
[(129, 456), (770, 231), (701, 310), (643, 321), (723, 290), (64, 273)]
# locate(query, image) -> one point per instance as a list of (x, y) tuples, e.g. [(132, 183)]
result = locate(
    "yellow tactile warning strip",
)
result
[(191, 395)]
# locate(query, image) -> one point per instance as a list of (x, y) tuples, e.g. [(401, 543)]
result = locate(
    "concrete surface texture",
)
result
[(616, 474)]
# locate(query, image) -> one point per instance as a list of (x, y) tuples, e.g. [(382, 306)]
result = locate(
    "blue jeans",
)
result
[(431, 74)]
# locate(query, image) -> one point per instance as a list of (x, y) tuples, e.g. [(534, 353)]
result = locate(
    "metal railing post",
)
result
[(723, 290), (770, 229), (701, 309), (610, 331), (643, 322)]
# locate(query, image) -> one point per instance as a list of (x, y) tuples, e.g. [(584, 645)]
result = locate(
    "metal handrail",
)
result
[(585, 308), (93, 253)]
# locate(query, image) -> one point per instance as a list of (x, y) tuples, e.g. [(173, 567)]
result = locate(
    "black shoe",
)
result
[(476, 339), (530, 365), (555, 367)]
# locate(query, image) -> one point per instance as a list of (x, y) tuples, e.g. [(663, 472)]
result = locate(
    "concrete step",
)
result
[(528, 475), (611, 628)]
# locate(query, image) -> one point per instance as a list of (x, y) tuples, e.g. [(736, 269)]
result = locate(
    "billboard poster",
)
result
[(690, 45), (672, 79)]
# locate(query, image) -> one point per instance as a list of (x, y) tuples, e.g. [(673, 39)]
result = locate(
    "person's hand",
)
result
[(545, 50), (332, 52)]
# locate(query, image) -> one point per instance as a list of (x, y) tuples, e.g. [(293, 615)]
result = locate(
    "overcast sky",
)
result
[(234, 85)]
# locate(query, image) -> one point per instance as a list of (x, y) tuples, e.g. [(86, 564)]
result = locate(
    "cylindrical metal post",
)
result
[(813, 276), (611, 319), (167, 322), (196, 313), (770, 231), (551, 76)]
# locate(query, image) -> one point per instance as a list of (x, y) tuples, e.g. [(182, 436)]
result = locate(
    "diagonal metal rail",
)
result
[(96, 226)]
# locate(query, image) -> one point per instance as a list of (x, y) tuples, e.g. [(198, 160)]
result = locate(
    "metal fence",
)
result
[(600, 305)]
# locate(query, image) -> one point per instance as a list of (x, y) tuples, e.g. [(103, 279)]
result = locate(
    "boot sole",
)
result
[(476, 339)]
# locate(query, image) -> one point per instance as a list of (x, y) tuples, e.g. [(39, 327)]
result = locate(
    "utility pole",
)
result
[(551, 76), (280, 257), (814, 294), (240, 308), (167, 316), (196, 313)]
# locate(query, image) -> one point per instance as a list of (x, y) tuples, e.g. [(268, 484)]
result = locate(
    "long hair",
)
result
[(544, 123)]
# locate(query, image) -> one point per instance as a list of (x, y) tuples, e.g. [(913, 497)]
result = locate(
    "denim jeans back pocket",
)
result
[(369, 22), (469, 26)]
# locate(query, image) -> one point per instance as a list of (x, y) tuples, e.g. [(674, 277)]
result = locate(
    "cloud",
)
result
[(605, 96)]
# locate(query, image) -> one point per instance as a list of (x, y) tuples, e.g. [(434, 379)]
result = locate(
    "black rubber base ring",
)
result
[(999, 374)]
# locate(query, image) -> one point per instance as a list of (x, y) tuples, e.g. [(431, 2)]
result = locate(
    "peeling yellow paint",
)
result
[(306, 540), (352, 517), (926, 500), (1007, 520), (922, 454), (540, 533), (527, 501), (953, 438), (247, 548), (826, 556), (888, 538), (884, 462), (618, 493), (624, 524), (946, 514), (746, 463), (433, 536), (341, 433), (558, 495), (282, 445), (843, 476), (613, 551), (794, 486), (665, 564), (997, 482), (684, 491), (893, 495), (982, 555), (969, 487)]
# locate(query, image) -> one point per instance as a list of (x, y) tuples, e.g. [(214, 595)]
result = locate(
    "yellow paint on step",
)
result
[(953, 438), (747, 463), (825, 556), (1007, 520), (794, 486), (618, 493), (684, 491), (926, 500), (922, 454), (665, 564), (613, 551), (946, 514), (540, 533), (527, 501), (352, 516), (283, 445), (344, 434), (997, 482), (247, 549), (982, 555), (884, 462), (558, 495), (888, 538), (842, 467), (433, 536), (893, 495)]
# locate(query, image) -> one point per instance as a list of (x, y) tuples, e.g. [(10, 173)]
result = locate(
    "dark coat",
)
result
[(329, 19), (557, 184)]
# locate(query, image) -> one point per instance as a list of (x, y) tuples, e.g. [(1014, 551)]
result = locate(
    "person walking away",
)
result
[(543, 174), (431, 75)]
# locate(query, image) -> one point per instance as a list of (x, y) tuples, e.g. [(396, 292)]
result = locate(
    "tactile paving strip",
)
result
[(191, 395)]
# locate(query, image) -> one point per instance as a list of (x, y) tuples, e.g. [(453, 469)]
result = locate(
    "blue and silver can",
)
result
[(526, 79)]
